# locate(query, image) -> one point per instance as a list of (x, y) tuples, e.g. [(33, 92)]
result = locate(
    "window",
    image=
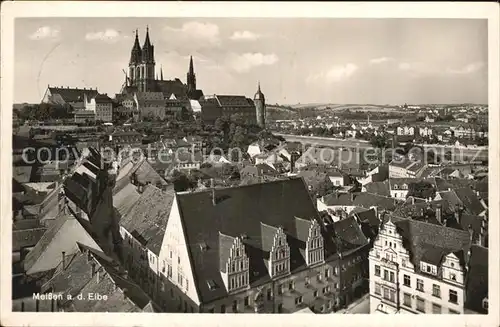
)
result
[(485, 303), (335, 271), (298, 300), (377, 270), (404, 262), (420, 285), (235, 306), (222, 308), (280, 307), (406, 281), (269, 294), (391, 276), (436, 308), (246, 301), (436, 290), (386, 274), (377, 289), (315, 294), (453, 276), (326, 289), (420, 304), (389, 294), (291, 285), (407, 300), (336, 285), (453, 312), (453, 296), (327, 272)]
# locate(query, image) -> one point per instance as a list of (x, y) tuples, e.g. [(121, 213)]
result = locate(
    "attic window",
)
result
[(203, 246), (211, 284), (485, 303)]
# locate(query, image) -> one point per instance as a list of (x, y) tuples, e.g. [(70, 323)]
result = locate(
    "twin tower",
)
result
[(141, 67), (142, 75)]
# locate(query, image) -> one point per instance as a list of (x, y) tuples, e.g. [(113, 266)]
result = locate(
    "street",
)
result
[(361, 305)]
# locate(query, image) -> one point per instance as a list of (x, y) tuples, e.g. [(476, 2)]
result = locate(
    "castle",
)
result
[(141, 76)]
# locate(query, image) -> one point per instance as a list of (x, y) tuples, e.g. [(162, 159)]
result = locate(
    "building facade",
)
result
[(257, 265), (101, 105), (418, 267)]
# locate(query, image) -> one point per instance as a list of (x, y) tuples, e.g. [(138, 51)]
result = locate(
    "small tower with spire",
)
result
[(191, 78), (260, 107)]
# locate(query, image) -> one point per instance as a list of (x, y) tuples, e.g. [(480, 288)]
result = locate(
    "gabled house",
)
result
[(228, 255)]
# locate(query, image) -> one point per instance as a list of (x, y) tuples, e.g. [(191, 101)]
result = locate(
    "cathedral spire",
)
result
[(136, 49), (258, 87), (191, 77), (147, 42), (191, 67)]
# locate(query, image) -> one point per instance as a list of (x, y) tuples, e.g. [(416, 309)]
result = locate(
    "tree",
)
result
[(181, 182), (379, 142), (422, 189)]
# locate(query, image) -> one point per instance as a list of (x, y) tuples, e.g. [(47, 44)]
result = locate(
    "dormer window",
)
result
[(485, 303), (211, 284)]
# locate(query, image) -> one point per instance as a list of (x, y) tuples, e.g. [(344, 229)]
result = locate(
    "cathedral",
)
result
[(141, 76)]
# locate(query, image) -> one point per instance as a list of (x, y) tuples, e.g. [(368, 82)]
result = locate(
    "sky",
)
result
[(296, 60)]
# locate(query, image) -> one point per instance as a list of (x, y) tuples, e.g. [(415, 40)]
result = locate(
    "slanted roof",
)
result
[(22, 238), (72, 94), (61, 236), (427, 241), (236, 211), (175, 87), (123, 294), (147, 219), (349, 231), (379, 188), (368, 216), (225, 244), (477, 279), (469, 200), (22, 174), (126, 198)]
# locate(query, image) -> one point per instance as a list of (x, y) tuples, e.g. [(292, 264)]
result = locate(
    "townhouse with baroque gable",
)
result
[(418, 267)]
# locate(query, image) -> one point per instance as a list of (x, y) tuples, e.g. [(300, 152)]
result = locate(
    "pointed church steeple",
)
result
[(191, 77), (191, 66), (135, 55), (147, 49), (147, 42)]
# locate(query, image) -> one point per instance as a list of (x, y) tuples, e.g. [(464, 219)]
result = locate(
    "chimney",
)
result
[(439, 213), (92, 269), (471, 233), (352, 197), (412, 200), (98, 273), (63, 260), (458, 213)]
